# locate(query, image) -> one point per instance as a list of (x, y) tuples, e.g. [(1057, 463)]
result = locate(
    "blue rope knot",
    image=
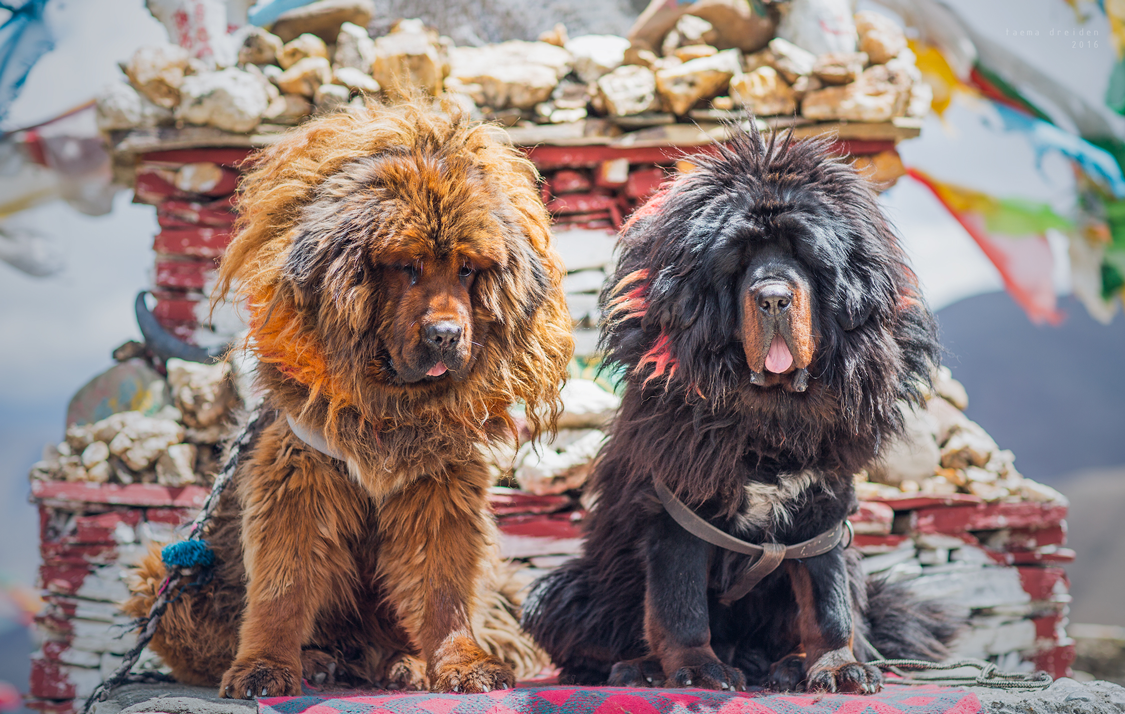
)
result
[(188, 554)]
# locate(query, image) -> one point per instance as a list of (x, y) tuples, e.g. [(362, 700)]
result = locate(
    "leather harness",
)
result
[(769, 555)]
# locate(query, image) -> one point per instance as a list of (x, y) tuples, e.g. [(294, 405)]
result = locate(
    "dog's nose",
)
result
[(775, 299), (443, 335)]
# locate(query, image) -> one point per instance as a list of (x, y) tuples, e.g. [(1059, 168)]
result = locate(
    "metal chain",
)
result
[(989, 676), (171, 588)]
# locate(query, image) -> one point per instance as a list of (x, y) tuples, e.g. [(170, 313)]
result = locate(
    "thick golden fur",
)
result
[(402, 295)]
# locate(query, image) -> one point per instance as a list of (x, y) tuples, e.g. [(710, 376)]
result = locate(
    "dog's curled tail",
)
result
[(497, 624), (903, 626)]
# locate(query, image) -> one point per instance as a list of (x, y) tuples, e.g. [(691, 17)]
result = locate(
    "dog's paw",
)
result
[(471, 670), (846, 678), (787, 674), (261, 678), (709, 675), (405, 673), (640, 672), (318, 668)]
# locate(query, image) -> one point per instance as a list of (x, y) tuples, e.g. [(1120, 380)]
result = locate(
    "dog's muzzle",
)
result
[(777, 332)]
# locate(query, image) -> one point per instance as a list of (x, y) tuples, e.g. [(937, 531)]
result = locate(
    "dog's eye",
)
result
[(467, 271), (411, 270)]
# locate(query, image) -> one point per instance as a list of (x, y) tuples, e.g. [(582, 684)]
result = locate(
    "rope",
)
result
[(181, 559), (989, 676)]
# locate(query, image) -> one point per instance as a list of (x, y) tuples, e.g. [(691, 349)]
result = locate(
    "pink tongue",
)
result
[(778, 359), (439, 369)]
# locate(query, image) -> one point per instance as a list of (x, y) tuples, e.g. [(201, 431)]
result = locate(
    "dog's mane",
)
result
[(308, 298), (690, 415)]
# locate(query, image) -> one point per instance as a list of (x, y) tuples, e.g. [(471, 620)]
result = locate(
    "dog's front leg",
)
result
[(677, 627), (296, 561), (824, 619), (435, 536)]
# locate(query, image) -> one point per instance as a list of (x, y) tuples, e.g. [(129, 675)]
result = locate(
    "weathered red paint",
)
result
[(197, 241), (643, 183), (184, 273), (137, 494), (986, 517)]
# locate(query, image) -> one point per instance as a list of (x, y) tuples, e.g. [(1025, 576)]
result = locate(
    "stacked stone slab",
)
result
[(88, 534), (193, 192)]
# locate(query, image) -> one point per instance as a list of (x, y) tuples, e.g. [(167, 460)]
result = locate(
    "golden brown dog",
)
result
[(403, 294)]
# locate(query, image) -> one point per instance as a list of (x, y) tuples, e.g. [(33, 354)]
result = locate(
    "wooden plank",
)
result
[(183, 273), (143, 141), (195, 242), (986, 517), (912, 502), (137, 494)]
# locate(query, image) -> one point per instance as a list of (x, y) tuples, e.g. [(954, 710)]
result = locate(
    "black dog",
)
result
[(769, 325)]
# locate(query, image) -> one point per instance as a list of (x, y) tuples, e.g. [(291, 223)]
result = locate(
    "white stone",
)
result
[(993, 638), (789, 59), (330, 96), (354, 48), (933, 556), (819, 26), (763, 92), (596, 55), (304, 46), (968, 445), (582, 249), (204, 393), (879, 36), (629, 90), (1040, 493), (288, 109), (140, 440), (839, 67), (259, 47), (950, 389), (582, 306), (305, 77), (921, 100), (690, 52), (682, 86), (547, 471), (231, 99), (198, 177), (95, 453), (886, 561), (158, 73), (120, 106), (987, 587), (586, 405), (355, 80), (176, 466), (852, 102), (510, 74), (913, 456), (410, 58)]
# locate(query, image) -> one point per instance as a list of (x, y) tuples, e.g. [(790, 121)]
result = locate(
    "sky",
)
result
[(57, 332)]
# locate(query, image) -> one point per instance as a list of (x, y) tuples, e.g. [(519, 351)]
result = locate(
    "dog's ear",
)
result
[(324, 266), (869, 280), (856, 307)]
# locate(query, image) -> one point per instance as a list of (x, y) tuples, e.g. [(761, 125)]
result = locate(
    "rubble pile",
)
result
[(696, 70), (944, 452), (176, 445)]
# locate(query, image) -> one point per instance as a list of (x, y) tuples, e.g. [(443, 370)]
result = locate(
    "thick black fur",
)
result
[(708, 432)]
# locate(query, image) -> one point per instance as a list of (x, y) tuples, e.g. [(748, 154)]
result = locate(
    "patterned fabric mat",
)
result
[(532, 699)]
